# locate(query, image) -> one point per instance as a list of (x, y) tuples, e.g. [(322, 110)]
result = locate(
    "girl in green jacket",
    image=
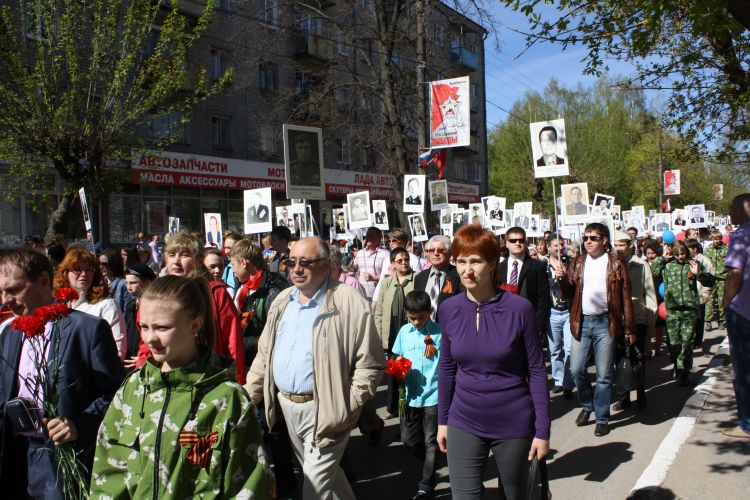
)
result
[(181, 426)]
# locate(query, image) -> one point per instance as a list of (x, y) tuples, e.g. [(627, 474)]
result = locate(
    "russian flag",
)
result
[(667, 206), (424, 158)]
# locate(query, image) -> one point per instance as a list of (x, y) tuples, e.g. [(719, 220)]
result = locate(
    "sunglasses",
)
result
[(393, 240), (303, 263), (591, 238), (438, 251), (516, 240)]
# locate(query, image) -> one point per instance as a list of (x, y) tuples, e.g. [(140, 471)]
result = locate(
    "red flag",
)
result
[(440, 163)]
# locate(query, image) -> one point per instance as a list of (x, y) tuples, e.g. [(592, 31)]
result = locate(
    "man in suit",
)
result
[(522, 220), (304, 168), (662, 225), (88, 374), (257, 212), (576, 207), (213, 235), (380, 216), (441, 280), (414, 197), (696, 216), (418, 226), (548, 143), (529, 275), (340, 222), (495, 214)]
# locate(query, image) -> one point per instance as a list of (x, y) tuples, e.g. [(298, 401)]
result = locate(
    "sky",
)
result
[(508, 78)]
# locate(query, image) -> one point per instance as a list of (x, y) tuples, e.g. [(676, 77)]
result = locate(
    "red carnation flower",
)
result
[(29, 324), (66, 294), (398, 368), (510, 288)]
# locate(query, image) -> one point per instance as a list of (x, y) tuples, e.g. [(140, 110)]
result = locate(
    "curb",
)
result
[(647, 485)]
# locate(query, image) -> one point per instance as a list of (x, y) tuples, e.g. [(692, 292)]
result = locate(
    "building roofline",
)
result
[(451, 12)]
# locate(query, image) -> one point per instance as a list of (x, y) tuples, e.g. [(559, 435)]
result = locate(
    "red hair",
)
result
[(472, 239), (77, 257)]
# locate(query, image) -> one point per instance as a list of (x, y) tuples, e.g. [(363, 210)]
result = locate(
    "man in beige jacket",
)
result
[(319, 359), (643, 295)]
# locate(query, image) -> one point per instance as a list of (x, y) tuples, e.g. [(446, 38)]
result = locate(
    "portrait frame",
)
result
[(418, 227), (414, 203), (597, 209), (494, 211), (671, 182), (380, 206), (559, 165), (575, 210), (85, 210), (438, 194), (476, 210), (207, 233), (521, 215), (339, 224), (690, 212), (359, 210), (174, 225), (304, 179), (257, 216), (679, 218), (281, 220)]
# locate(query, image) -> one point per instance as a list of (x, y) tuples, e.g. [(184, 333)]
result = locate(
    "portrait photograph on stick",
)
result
[(602, 206), (438, 194), (380, 214), (575, 199), (359, 209), (414, 193), (303, 161), (418, 227), (522, 214), (339, 223), (476, 213), (696, 215), (549, 149), (257, 203), (212, 225)]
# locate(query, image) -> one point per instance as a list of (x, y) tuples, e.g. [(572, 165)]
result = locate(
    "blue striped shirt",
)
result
[(293, 349)]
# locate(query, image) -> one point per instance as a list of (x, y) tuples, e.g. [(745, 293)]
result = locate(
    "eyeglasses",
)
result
[(516, 240), (393, 240), (303, 263), (401, 261), (81, 270), (438, 251), (591, 238), (104, 264)]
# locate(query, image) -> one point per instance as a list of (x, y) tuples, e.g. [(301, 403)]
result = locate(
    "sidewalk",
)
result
[(708, 464)]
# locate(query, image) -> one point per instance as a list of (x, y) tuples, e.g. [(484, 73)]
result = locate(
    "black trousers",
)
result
[(420, 438), (276, 441), (700, 324), (467, 457), (641, 331)]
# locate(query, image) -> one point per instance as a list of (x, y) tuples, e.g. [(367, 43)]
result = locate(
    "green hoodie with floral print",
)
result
[(187, 433)]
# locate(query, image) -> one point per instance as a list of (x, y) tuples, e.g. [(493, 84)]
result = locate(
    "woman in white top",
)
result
[(80, 271)]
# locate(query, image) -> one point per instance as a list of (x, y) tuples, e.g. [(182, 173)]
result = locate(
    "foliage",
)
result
[(697, 49), (613, 145), (78, 80)]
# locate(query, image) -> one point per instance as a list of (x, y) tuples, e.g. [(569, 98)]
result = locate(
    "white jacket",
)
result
[(107, 309)]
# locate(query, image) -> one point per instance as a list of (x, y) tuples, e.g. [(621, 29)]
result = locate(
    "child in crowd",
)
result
[(137, 278), (180, 426), (419, 342)]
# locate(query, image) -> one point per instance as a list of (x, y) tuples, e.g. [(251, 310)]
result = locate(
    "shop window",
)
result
[(235, 216), (189, 213), (221, 134), (10, 223), (155, 216), (124, 218)]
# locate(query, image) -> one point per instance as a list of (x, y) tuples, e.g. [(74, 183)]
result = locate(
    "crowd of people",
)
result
[(179, 369)]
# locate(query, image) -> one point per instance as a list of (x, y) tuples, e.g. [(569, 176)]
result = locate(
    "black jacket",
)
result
[(533, 285), (89, 375), (451, 285), (253, 316)]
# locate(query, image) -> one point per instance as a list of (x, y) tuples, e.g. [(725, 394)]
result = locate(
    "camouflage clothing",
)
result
[(714, 311), (187, 433), (683, 308)]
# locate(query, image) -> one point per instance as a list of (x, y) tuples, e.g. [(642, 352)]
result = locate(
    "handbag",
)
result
[(21, 414), (541, 467), (629, 370)]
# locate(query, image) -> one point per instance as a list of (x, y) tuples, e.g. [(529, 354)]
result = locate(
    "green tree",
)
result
[(697, 49), (78, 80)]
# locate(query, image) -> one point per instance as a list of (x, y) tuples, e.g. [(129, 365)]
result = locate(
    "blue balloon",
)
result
[(661, 290), (668, 237)]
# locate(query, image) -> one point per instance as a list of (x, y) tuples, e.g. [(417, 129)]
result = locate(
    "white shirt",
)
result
[(511, 260), (594, 298), (109, 312)]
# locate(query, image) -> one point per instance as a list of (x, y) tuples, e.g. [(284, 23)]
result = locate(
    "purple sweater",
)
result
[(492, 384)]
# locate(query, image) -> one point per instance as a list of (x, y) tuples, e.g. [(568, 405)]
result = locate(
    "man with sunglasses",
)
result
[(319, 360), (529, 275), (601, 310), (441, 280)]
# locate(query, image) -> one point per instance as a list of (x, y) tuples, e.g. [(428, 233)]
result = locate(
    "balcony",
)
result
[(314, 47), (464, 57)]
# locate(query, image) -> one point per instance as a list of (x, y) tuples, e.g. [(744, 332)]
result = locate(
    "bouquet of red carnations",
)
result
[(398, 368)]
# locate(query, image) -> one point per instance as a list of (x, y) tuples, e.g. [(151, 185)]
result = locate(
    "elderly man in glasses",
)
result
[(601, 310), (441, 280), (319, 360)]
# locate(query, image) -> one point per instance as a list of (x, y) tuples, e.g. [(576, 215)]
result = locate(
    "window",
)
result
[(342, 43), (269, 12), (268, 76), (219, 63), (267, 140), (477, 172), (308, 24), (461, 169), (439, 35), (222, 5), (343, 153), (302, 81), (221, 132), (168, 125)]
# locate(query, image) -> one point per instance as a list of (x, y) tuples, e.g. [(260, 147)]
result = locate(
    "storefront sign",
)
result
[(339, 183), (463, 193), (185, 170)]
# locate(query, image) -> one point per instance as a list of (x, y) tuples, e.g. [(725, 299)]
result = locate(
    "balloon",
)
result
[(668, 237), (680, 236), (663, 311), (725, 239), (661, 290)]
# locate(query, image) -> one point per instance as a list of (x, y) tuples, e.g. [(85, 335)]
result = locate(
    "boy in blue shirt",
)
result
[(419, 342)]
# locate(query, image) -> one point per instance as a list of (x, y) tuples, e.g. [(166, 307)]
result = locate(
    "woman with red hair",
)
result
[(80, 271), (492, 390)]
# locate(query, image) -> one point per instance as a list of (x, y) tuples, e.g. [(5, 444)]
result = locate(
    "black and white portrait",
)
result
[(696, 215), (359, 209), (616, 213), (438, 194), (494, 211), (257, 210), (380, 214), (678, 218), (174, 225), (662, 222), (575, 202), (418, 227), (535, 225), (602, 206), (85, 209), (460, 217), (548, 146), (522, 214), (414, 193), (476, 213), (339, 223), (283, 217), (303, 159)]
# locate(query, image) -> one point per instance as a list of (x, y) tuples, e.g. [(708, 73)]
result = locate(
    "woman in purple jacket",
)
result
[(492, 383)]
